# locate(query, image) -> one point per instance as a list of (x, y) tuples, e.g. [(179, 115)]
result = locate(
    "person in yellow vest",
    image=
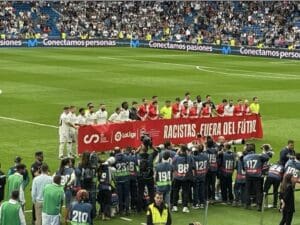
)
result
[(260, 45), (121, 35), (27, 35), (291, 47), (158, 212), (199, 39), (37, 36), (63, 35), (218, 41), (84, 36), (232, 42), (166, 111), (128, 36), (254, 106), (148, 37), (2, 36), (166, 31)]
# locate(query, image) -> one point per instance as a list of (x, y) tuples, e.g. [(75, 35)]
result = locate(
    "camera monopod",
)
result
[(205, 212)]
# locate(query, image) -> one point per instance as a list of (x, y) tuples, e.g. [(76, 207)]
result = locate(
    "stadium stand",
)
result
[(271, 24)]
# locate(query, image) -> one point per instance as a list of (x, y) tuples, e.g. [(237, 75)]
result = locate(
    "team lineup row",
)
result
[(148, 110)]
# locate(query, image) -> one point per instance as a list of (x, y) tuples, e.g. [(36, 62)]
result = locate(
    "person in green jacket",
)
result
[(11, 211), (53, 196), (13, 169), (15, 182)]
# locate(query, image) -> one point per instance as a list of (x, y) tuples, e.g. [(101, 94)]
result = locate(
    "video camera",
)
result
[(267, 149), (147, 140), (94, 160)]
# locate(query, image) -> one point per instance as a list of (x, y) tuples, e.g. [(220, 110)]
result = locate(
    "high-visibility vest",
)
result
[(291, 47), (260, 45), (63, 35), (232, 42), (157, 218), (37, 36), (148, 37), (199, 40)]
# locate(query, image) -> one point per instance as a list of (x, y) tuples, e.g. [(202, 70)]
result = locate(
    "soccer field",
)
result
[(37, 83)]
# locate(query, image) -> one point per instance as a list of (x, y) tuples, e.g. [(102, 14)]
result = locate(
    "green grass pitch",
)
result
[(37, 83)]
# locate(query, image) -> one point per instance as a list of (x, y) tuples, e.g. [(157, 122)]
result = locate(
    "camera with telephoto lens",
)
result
[(147, 140), (94, 160), (267, 149)]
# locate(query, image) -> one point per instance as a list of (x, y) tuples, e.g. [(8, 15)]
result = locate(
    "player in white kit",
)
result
[(101, 115)]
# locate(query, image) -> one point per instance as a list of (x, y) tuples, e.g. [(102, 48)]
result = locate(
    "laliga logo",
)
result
[(88, 139), (119, 135)]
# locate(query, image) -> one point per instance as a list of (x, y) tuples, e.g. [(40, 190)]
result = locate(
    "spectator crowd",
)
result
[(262, 23)]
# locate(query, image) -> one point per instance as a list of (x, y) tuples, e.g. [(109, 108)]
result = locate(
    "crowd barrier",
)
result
[(224, 49)]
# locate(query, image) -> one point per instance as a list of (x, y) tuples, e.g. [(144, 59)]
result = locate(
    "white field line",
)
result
[(28, 122), (267, 73), (290, 62), (208, 69), (245, 75), (145, 61)]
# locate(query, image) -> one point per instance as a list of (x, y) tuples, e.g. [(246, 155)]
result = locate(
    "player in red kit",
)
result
[(154, 99), (246, 108), (206, 111), (220, 108), (239, 108), (184, 111), (176, 109), (153, 113), (143, 110), (193, 111)]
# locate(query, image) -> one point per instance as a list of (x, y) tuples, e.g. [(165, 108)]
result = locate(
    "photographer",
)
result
[(201, 169), (163, 177), (274, 178), (292, 165), (167, 147), (67, 174), (253, 164), (122, 180), (240, 181), (133, 170), (81, 211), (86, 176), (106, 187), (226, 165), (183, 165), (145, 174), (212, 153)]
